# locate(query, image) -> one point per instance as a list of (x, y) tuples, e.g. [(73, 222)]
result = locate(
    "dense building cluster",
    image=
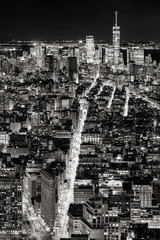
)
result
[(85, 108)]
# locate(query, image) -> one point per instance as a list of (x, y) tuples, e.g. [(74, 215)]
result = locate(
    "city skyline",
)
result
[(75, 20), (80, 120)]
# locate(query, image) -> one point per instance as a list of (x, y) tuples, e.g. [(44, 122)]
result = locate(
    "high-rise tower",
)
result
[(10, 202), (116, 40), (90, 49)]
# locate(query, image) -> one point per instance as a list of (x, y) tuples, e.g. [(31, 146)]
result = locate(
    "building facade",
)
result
[(48, 197), (10, 206)]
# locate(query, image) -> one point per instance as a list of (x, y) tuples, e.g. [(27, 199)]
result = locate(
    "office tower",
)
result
[(34, 186), (109, 55), (70, 52), (112, 227), (98, 54), (38, 52), (31, 179), (136, 55), (77, 54), (148, 59), (111, 221), (92, 221), (49, 62), (90, 49), (116, 40), (87, 220), (82, 193), (35, 119), (10, 204), (144, 190), (103, 54), (6, 66), (1, 63), (4, 137), (75, 214), (135, 209), (48, 196), (4, 99), (72, 65)]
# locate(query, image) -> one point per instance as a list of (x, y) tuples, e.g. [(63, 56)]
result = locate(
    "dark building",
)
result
[(3, 100), (49, 62), (124, 52), (103, 55), (154, 53), (75, 214), (72, 65), (6, 66), (77, 237)]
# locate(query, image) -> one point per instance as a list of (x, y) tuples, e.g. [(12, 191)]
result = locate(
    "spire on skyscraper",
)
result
[(116, 39), (116, 18)]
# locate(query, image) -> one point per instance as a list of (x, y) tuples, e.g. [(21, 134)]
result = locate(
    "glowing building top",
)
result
[(116, 33)]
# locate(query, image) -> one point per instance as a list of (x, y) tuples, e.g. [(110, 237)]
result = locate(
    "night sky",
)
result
[(74, 19)]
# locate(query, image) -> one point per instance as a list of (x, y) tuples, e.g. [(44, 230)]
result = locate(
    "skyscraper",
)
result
[(48, 197), (72, 65), (116, 40), (38, 52), (10, 202), (90, 49), (49, 62)]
